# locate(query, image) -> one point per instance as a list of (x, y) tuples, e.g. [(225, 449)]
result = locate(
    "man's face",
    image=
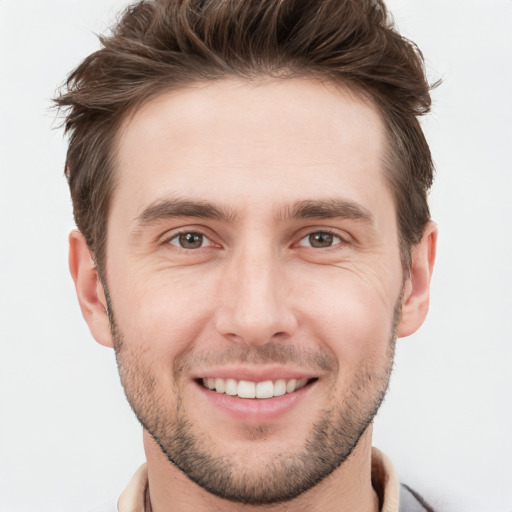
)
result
[(253, 249)]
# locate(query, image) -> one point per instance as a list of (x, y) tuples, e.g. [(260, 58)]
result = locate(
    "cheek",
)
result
[(353, 319), (160, 314)]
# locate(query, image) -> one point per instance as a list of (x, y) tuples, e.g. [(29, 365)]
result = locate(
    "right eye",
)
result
[(190, 240), (320, 240)]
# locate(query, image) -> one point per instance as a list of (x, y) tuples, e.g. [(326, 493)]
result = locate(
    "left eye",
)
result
[(189, 240), (320, 240)]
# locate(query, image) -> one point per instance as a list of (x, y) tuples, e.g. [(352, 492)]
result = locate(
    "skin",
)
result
[(256, 296)]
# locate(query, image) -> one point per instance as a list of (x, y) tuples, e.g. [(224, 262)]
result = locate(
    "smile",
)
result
[(248, 389)]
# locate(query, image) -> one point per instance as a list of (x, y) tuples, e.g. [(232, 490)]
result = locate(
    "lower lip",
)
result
[(255, 410)]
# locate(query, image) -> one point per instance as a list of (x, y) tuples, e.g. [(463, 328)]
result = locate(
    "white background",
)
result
[(68, 440)]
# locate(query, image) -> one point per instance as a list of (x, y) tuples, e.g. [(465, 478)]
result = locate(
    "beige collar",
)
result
[(135, 497)]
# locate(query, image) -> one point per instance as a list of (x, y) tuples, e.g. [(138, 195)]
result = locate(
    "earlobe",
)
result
[(416, 295), (89, 289)]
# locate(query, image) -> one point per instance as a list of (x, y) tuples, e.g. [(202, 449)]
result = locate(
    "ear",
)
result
[(416, 297), (89, 289)]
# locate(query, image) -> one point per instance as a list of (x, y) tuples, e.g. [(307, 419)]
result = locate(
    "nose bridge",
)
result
[(254, 306)]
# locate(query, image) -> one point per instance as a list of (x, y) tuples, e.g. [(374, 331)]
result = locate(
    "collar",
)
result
[(135, 497)]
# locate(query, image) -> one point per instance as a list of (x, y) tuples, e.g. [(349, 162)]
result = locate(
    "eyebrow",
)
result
[(334, 208), (175, 208)]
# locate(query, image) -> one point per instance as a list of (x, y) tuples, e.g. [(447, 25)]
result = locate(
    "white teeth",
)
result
[(291, 385), (280, 387), (220, 386), (265, 389), (248, 389), (301, 383), (231, 387)]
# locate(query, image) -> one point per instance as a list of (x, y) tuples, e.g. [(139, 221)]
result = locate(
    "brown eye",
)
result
[(320, 240), (188, 240)]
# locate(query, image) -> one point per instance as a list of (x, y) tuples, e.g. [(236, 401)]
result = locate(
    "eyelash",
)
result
[(328, 232), (176, 236), (337, 239)]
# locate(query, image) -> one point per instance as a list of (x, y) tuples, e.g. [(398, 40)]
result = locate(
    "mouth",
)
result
[(257, 390)]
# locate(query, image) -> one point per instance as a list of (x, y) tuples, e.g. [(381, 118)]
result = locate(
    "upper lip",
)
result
[(254, 374)]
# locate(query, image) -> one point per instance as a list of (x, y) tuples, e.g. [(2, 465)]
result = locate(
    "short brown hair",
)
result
[(160, 45)]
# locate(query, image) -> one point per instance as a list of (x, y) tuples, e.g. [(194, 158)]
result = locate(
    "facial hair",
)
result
[(330, 440)]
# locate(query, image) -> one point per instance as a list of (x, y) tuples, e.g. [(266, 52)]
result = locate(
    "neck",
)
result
[(348, 488)]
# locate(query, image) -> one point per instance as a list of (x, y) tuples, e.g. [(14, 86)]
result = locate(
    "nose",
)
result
[(255, 306)]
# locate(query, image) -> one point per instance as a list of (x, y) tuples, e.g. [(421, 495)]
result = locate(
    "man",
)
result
[(249, 184)]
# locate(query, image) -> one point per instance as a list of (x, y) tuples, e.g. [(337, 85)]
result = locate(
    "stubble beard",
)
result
[(286, 475)]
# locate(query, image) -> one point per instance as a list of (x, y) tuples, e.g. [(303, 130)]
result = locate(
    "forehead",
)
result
[(267, 141)]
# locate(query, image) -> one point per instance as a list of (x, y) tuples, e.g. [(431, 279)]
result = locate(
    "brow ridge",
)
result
[(176, 208), (327, 209), (331, 208)]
